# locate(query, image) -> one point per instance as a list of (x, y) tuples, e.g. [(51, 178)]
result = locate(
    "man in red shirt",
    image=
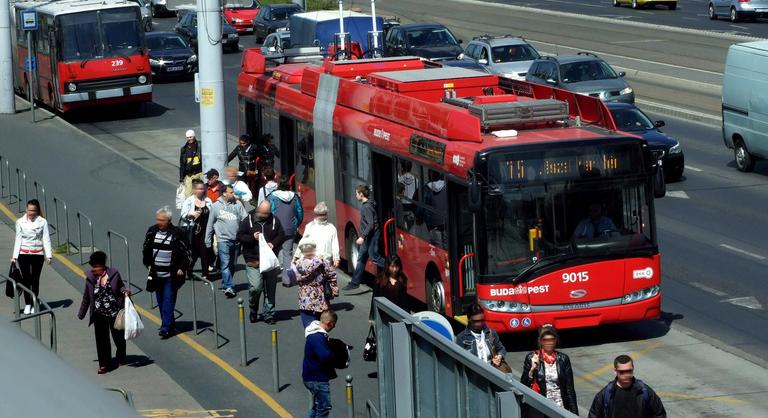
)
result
[(213, 188)]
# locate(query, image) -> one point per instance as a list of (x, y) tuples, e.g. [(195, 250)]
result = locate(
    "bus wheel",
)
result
[(353, 251), (435, 294)]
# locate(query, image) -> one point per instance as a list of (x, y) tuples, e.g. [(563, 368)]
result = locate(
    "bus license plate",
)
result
[(175, 68), (582, 305)]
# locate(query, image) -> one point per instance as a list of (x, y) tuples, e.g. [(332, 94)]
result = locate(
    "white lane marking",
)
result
[(740, 27), (576, 3), (678, 194), (639, 41), (749, 302), (740, 251), (692, 168), (708, 289)]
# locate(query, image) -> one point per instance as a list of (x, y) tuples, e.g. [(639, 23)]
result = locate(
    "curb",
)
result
[(680, 113), (674, 82), (688, 31)]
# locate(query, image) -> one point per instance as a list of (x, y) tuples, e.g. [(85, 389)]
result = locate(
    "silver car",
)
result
[(503, 55), (737, 10), (146, 14)]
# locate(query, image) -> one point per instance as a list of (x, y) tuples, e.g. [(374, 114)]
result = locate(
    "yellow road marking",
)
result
[(239, 377), (683, 396), (185, 413), (599, 372)]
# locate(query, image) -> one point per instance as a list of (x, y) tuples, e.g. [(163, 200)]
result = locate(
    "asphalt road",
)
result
[(689, 14)]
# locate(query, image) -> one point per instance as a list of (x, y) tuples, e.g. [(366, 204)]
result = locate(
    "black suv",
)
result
[(427, 40), (583, 73)]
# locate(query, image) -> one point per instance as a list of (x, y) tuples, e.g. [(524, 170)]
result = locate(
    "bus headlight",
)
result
[(142, 79), (641, 294), (505, 306), (71, 87)]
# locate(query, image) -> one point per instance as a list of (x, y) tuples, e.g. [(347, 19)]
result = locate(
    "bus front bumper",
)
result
[(106, 94)]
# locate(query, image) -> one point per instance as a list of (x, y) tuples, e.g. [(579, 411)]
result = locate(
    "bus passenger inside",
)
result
[(595, 225)]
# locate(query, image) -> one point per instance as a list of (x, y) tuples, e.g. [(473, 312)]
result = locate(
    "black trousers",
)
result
[(31, 265), (102, 327), (200, 251)]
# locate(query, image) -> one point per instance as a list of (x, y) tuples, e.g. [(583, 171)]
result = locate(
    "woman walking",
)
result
[(317, 281), (392, 284), (103, 298), (30, 249), (195, 211), (549, 371)]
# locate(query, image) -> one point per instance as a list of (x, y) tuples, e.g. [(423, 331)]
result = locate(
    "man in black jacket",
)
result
[(260, 222), (626, 396), (190, 162), (368, 240), (480, 340), (246, 157)]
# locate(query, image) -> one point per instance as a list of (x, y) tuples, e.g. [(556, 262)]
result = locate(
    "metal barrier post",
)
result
[(56, 201), (56, 220), (350, 398), (2, 177), (194, 304), (37, 187), (243, 349), (215, 310), (80, 235), (18, 191), (275, 364), (127, 255), (8, 178)]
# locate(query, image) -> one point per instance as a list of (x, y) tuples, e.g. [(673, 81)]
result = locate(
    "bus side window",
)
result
[(407, 193), (305, 155)]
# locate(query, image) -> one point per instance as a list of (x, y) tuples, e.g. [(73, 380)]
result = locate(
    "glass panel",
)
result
[(79, 37), (430, 37), (121, 31), (305, 158), (586, 71), (512, 53)]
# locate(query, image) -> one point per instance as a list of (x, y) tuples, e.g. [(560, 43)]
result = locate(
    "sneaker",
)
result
[(253, 317), (230, 292), (27, 309), (210, 269), (350, 286), (32, 310)]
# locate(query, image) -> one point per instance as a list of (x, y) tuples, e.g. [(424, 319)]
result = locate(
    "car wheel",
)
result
[(745, 162), (435, 295), (711, 12), (735, 17), (635, 5)]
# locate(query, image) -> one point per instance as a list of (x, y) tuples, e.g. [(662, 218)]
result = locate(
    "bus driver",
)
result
[(596, 225)]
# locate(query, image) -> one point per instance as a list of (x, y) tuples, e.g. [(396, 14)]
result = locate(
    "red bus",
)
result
[(522, 197), (87, 53)]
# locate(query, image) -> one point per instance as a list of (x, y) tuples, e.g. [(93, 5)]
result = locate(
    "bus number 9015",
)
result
[(581, 276)]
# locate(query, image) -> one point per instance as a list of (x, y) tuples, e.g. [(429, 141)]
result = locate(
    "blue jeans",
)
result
[(308, 316), (370, 248), (227, 258), (259, 282), (166, 303), (321, 399)]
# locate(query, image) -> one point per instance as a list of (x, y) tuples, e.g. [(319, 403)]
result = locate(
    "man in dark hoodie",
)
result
[(286, 206), (318, 368), (260, 222), (626, 396), (369, 236)]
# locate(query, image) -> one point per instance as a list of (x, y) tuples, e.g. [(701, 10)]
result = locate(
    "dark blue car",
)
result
[(629, 118), (169, 55)]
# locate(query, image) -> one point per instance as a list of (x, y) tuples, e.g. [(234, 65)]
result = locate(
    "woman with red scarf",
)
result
[(549, 372)]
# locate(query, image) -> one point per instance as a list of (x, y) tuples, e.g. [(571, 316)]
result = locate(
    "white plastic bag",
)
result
[(133, 324), (180, 196), (267, 258)]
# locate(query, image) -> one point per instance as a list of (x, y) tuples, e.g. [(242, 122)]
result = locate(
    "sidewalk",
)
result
[(155, 394)]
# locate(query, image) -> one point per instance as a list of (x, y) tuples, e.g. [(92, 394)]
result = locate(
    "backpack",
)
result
[(285, 212), (610, 390), (340, 351)]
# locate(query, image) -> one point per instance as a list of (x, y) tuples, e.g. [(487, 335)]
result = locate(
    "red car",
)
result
[(240, 14)]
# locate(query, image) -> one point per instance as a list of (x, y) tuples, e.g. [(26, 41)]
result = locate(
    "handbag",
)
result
[(503, 366), (369, 349), (119, 320), (15, 274), (327, 289)]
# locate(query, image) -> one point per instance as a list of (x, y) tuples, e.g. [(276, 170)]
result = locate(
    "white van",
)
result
[(745, 102)]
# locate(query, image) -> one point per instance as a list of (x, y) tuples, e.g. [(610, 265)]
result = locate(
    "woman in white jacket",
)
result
[(194, 213), (324, 234), (31, 248)]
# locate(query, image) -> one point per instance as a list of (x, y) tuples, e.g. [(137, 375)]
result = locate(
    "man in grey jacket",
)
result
[(224, 221)]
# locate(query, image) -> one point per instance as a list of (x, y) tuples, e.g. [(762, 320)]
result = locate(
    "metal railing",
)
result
[(20, 207), (79, 216), (56, 205), (210, 285), (370, 408), (127, 256), (44, 203), (36, 303), (126, 395)]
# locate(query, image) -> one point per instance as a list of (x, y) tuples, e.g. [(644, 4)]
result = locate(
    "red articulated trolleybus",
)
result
[(522, 197), (88, 53)]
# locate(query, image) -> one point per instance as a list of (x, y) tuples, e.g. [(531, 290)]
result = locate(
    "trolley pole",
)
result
[(7, 98), (213, 133)]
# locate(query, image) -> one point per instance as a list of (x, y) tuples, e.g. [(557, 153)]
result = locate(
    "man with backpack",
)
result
[(265, 192), (257, 223), (286, 206), (625, 396)]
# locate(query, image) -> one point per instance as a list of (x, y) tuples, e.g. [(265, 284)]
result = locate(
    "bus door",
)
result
[(461, 248), (384, 195), (287, 145)]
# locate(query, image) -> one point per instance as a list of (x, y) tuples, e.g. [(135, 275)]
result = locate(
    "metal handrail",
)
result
[(39, 186), (19, 201), (16, 307), (126, 394), (80, 235), (36, 316), (371, 409), (127, 255), (56, 201), (210, 284), (2, 177)]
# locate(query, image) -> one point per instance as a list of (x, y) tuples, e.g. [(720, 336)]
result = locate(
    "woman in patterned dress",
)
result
[(313, 273)]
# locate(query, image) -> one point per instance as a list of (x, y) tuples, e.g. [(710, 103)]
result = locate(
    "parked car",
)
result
[(240, 14), (187, 29), (146, 14), (637, 4), (169, 55), (470, 65), (273, 17), (276, 42), (737, 10), (427, 40), (745, 109), (164, 7), (507, 56), (583, 73), (629, 118)]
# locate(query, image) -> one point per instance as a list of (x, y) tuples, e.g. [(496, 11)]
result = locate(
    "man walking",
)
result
[(369, 236), (224, 221), (625, 396), (246, 161), (260, 223), (286, 206), (213, 187), (190, 162), (318, 368)]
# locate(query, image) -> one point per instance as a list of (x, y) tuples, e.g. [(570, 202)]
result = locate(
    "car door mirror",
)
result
[(659, 123), (551, 81), (622, 73), (460, 41), (272, 49), (482, 61)]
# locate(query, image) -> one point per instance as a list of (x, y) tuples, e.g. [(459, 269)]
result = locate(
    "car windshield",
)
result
[(576, 72), (512, 53), (157, 43), (99, 34), (430, 37), (631, 120), (241, 4), (551, 205), (283, 13)]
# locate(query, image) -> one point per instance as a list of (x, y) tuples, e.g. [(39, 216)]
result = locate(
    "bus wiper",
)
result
[(523, 275), (124, 56)]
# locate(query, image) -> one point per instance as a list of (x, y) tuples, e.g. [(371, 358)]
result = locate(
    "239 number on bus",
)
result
[(118, 63), (581, 276)]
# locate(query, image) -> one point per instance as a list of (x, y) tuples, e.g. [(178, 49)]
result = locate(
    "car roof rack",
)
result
[(489, 36), (549, 57), (587, 54)]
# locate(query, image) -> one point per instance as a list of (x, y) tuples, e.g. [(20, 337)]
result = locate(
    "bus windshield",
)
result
[(99, 34), (546, 207)]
